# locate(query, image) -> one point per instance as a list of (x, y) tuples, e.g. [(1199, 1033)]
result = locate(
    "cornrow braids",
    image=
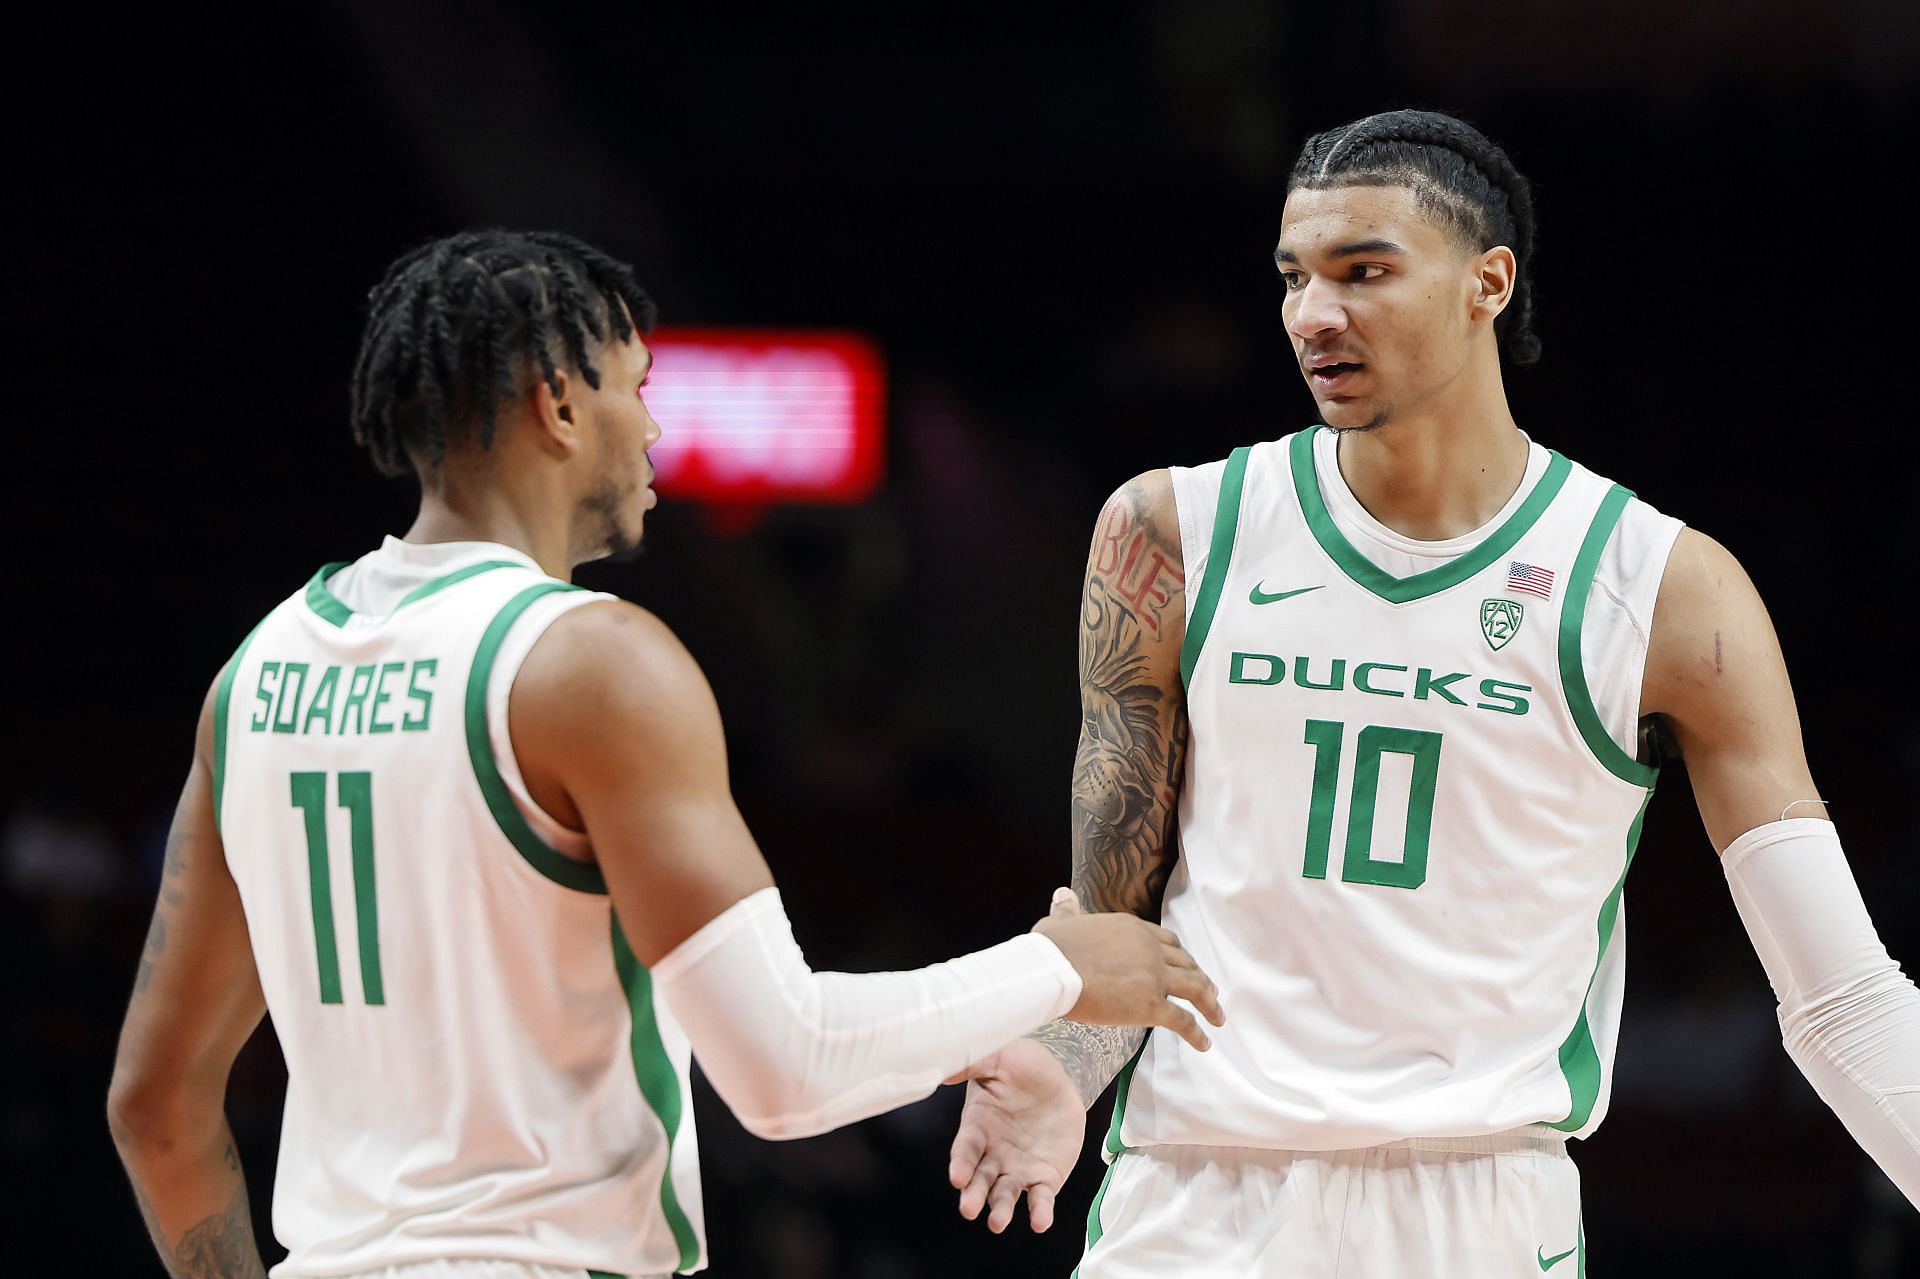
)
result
[(1457, 175), (459, 324)]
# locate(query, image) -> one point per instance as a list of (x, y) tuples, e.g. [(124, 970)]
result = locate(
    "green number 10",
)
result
[(1325, 736), (356, 796)]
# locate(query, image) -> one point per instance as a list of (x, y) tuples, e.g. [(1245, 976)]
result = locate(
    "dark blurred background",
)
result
[(1058, 227)]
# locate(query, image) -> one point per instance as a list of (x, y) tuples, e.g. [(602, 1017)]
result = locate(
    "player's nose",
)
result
[(1316, 312)]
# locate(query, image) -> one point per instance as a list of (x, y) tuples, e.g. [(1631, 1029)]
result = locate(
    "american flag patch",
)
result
[(1530, 578)]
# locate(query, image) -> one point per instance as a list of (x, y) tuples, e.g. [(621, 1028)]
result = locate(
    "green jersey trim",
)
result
[(1573, 676), (1120, 1102), (1226, 525), (659, 1084), (1579, 1058), (1094, 1227), (1401, 590), (328, 607), (222, 699), (543, 857)]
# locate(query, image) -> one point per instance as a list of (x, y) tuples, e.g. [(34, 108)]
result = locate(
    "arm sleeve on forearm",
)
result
[(794, 1052), (1849, 1017)]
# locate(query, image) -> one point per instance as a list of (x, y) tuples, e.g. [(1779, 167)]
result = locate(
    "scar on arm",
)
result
[(1716, 653)]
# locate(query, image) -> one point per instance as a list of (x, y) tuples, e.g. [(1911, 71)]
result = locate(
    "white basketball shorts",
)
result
[(1505, 1206)]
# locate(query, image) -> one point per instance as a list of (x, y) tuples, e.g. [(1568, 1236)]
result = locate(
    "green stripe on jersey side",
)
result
[(659, 1084), (1573, 675), (1226, 523), (1113, 1146), (1120, 1102), (1400, 590), (328, 606), (543, 857), (1579, 1059), (222, 699), (1094, 1228)]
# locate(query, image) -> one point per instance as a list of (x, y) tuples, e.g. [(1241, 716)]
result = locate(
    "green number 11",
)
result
[(356, 796), (1359, 867)]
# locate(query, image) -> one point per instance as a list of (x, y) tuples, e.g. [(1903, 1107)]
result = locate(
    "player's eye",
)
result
[(1294, 280), (1367, 271)]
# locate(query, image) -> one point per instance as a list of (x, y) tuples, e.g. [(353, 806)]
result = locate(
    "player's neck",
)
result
[(450, 515), (1433, 479)]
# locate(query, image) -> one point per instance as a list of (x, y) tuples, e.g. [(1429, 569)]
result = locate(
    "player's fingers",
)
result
[(1064, 904), (963, 1158), (1001, 1201), (1039, 1207), (1182, 1023), (1166, 936), (974, 1197), (1192, 985)]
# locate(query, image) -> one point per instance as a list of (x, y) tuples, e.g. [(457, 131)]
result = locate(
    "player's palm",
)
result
[(1020, 1131)]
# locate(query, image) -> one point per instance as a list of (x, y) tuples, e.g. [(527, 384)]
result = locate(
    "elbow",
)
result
[(148, 1113), (779, 1127)]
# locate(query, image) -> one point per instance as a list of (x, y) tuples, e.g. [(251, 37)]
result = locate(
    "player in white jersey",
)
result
[(465, 831), (1363, 716)]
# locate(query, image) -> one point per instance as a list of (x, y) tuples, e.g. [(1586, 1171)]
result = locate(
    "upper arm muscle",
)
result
[(610, 710), (1715, 672), (1133, 727)]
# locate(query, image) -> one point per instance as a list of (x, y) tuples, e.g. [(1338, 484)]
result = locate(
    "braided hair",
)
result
[(1458, 177), (461, 323)]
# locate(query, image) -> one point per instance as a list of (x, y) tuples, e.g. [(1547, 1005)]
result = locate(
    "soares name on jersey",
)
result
[(1379, 679), (293, 697)]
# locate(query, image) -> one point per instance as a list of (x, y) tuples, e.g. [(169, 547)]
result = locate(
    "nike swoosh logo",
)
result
[(1548, 1263), (1259, 596)]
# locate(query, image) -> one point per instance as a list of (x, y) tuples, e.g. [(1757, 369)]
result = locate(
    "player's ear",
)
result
[(553, 414), (1495, 273)]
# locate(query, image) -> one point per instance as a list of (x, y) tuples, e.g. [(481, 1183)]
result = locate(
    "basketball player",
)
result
[(1387, 678), (466, 831)]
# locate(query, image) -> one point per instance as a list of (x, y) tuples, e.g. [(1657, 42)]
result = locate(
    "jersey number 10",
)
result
[(356, 796), (1360, 867)]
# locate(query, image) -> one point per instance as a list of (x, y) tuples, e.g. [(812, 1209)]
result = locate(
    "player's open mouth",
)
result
[(1330, 377)]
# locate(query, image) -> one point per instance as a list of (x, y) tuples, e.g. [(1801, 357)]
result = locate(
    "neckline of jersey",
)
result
[(1400, 590), (330, 608)]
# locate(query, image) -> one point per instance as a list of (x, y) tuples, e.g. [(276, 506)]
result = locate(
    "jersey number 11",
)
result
[(356, 796)]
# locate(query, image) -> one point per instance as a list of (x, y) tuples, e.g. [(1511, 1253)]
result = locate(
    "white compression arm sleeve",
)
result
[(1850, 1018), (794, 1052)]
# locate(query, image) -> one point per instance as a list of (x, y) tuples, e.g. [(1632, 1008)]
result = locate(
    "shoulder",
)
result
[(1708, 624), (604, 664)]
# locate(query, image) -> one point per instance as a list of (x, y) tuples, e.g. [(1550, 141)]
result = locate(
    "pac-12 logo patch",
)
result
[(1500, 621)]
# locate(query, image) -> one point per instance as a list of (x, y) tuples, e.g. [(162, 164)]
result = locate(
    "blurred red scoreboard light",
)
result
[(752, 416)]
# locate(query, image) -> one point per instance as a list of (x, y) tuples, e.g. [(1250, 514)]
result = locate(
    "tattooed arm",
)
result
[(195, 1000), (1133, 739), (1025, 1116)]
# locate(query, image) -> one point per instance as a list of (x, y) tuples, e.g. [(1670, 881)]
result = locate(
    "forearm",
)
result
[(794, 1052), (188, 1182), (1849, 1017), (1091, 1055), (1861, 1053)]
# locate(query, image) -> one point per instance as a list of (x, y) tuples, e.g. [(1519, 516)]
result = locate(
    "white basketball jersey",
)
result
[(477, 1066), (1407, 815)]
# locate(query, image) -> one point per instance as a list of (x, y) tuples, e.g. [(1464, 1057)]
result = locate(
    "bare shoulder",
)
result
[(1709, 628), (1135, 569), (1146, 502), (1716, 675), (611, 650), (609, 687)]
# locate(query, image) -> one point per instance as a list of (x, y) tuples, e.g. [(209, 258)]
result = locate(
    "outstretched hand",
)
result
[(1020, 1133)]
